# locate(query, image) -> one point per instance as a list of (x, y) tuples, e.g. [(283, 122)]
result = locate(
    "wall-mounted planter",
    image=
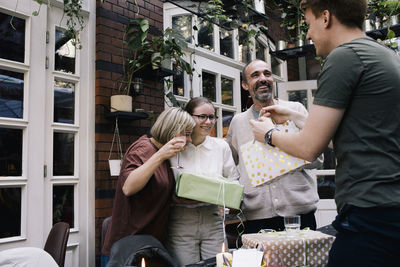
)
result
[(121, 103), (115, 166)]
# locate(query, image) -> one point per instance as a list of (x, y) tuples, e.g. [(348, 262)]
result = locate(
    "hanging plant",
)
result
[(75, 21), (293, 19)]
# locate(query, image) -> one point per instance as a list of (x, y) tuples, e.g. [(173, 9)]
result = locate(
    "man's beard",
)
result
[(264, 98)]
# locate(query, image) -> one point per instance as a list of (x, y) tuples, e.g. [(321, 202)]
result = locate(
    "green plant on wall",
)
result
[(75, 21), (141, 50), (293, 19), (383, 10)]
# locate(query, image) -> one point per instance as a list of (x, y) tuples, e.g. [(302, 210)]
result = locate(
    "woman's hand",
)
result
[(170, 149)]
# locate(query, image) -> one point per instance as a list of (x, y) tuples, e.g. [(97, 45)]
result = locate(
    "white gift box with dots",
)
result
[(308, 247), (265, 163)]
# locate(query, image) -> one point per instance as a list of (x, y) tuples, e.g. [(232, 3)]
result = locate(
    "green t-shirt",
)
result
[(363, 77)]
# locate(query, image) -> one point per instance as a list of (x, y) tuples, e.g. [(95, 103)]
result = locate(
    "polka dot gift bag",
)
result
[(265, 163)]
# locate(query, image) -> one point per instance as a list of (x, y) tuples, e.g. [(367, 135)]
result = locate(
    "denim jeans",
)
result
[(367, 237)]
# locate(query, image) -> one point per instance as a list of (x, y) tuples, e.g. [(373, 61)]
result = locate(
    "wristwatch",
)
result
[(268, 136)]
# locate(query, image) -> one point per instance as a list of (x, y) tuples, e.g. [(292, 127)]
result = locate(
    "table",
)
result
[(307, 247)]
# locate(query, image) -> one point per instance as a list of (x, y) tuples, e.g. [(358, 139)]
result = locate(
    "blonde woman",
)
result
[(145, 184)]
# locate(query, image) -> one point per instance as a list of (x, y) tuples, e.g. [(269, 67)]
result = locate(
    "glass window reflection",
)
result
[(227, 91), (64, 102), (63, 154), (64, 52), (209, 86), (244, 50), (179, 84), (11, 94), (10, 210), (226, 43), (226, 121), (205, 35), (63, 204), (12, 32), (183, 26), (260, 51), (276, 66), (299, 96), (326, 183), (10, 152)]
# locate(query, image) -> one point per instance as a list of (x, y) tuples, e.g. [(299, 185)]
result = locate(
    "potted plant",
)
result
[(293, 20), (136, 56), (157, 52)]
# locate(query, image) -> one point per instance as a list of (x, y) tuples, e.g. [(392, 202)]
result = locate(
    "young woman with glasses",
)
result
[(196, 228)]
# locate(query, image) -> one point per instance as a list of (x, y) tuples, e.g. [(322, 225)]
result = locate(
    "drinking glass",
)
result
[(292, 224), (181, 136)]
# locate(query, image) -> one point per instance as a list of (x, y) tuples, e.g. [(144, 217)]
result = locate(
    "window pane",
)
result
[(63, 154), (226, 121), (227, 91), (64, 53), (63, 204), (12, 32), (205, 35), (183, 26), (11, 94), (10, 210), (244, 51), (178, 83), (260, 51), (226, 43), (214, 131), (276, 66), (326, 186), (326, 183), (209, 90), (10, 152), (299, 96), (64, 102)]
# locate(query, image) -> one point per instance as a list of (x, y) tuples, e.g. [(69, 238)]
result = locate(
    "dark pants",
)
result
[(277, 224), (367, 237)]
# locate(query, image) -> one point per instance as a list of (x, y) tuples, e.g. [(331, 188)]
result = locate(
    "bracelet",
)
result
[(268, 136)]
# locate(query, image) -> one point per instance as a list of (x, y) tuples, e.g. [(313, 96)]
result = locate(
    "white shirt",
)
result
[(26, 257), (213, 157)]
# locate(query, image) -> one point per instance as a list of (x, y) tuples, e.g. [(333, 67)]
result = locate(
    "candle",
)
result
[(143, 263), (219, 257)]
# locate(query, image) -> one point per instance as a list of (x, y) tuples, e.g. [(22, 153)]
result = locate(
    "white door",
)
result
[(303, 92), (46, 131)]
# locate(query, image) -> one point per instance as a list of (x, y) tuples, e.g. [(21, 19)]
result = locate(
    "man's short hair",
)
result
[(171, 122), (244, 79), (350, 13)]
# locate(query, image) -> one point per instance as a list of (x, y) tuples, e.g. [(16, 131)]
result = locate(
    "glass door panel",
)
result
[(12, 45), (10, 210)]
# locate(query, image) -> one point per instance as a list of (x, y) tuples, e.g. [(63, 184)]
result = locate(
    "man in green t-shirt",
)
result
[(357, 106)]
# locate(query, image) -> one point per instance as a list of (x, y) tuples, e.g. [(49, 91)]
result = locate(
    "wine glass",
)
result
[(181, 137)]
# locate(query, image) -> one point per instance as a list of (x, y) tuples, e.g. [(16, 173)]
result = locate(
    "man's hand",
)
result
[(280, 114), (261, 127)]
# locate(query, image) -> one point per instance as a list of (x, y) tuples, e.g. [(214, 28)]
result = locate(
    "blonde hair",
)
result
[(171, 122)]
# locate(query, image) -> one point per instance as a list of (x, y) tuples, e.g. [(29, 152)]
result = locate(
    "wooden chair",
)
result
[(56, 243)]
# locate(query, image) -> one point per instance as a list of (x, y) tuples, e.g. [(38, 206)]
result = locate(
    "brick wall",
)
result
[(111, 16)]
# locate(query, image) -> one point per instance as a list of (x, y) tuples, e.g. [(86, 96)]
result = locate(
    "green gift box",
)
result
[(214, 190)]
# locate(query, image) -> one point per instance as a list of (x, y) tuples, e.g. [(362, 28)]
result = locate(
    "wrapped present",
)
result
[(265, 163), (215, 190), (306, 248)]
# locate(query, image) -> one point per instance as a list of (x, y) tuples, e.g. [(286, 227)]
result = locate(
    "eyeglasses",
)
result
[(204, 117)]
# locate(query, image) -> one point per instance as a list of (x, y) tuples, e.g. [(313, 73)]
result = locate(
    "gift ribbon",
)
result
[(240, 227)]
